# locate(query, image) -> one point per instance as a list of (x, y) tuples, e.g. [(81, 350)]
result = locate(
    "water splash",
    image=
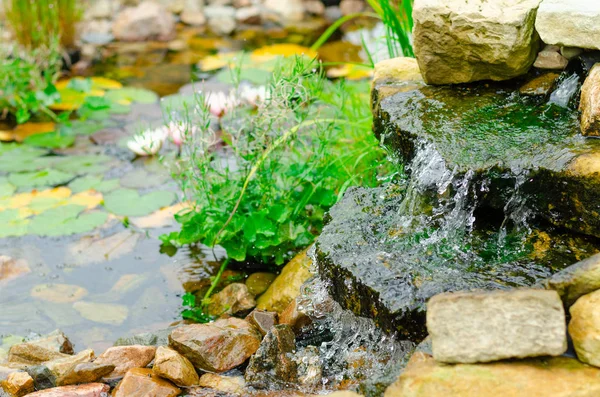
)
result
[(565, 91)]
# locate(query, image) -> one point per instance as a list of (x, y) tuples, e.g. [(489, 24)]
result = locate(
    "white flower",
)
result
[(148, 143), (253, 95)]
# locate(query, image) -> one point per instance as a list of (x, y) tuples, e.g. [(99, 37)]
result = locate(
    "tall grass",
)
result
[(35, 23), (396, 15)]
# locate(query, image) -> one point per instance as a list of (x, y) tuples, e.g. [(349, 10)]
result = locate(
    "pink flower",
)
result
[(220, 103), (179, 131)]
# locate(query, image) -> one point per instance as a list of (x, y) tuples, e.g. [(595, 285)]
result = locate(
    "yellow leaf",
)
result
[(350, 72), (160, 218), (22, 200), (25, 213), (72, 100), (281, 50), (89, 198), (214, 62), (98, 83), (22, 131)]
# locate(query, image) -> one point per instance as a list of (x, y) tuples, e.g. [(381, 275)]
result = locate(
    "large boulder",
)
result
[(488, 326), (459, 41), (590, 103), (147, 21), (216, 347), (572, 23), (543, 377), (584, 328), (576, 280)]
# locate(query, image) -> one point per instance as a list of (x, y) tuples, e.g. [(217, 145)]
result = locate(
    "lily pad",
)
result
[(93, 182), (66, 220), (128, 202), (12, 164), (6, 188), (52, 140), (128, 95), (13, 223), (48, 177), (22, 131), (139, 178), (92, 164)]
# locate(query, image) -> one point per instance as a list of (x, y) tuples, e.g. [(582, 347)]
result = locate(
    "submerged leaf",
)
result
[(52, 140), (66, 220), (128, 202)]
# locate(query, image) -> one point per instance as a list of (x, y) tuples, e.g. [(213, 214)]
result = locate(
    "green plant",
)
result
[(264, 196), (35, 23), (27, 84), (397, 18)]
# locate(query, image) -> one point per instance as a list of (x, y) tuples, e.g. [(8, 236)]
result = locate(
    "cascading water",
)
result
[(565, 91)]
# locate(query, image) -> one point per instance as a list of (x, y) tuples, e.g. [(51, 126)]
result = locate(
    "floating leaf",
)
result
[(128, 202), (22, 131), (90, 164), (22, 200), (161, 218), (66, 220), (95, 83), (84, 127), (140, 178), (13, 223), (6, 188), (89, 198), (215, 62), (281, 50), (72, 100), (11, 164), (52, 140), (93, 182), (128, 95), (48, 177)]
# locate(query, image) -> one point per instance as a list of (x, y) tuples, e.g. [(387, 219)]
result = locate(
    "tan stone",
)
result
[(233, 299), (397, 70), (173, 366), (590, 103), (18, 384), (222, 383), (541, 85), (571, 23), (125, 358), (293, 317), (63, 366), (262, 321), (141, 382), (86, 373), (258, 283), (49, 347), (470, 327), (584, 328), (87, 390), (458, 41), (11, 268), (550, 60), (576, 280), (542, 377), (58, 293), (216, 347), (286, 286), (147, 21)]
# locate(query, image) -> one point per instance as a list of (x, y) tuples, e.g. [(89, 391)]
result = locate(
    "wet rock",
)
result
[(45, 348), (216, 347), (141, 382), (147, 21), (262, 321), (156, 338), (233, 299), (590, 103), (58, 293), (221, 19), (550, 59), (448, 52), (576, 280), (570, 52), (258, 283), (42, 377), (173, 366), (11, 268), (87, 390), (397, 70), (225, 384), (62, 367), (17, 384), (345, 393), (541, 85), (192, 13), (314, 7), (125, 358), (471, 327), (556, 377), (105, 313), (86, 373), (584, 328), (273, 365), (310, 369), (294, 317), (571, 23), (286, 286)]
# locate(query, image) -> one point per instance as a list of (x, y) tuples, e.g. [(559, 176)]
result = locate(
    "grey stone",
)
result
[(221, 19), (552, 60), (576, 280), (472, 327), (571, 23)]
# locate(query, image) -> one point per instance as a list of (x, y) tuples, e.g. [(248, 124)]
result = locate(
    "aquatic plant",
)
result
[(148, 142), (35, 23), (397, 18)]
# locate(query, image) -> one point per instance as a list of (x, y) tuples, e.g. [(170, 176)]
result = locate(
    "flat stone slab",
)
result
[(572, 23), (475, 327), (507, 140)]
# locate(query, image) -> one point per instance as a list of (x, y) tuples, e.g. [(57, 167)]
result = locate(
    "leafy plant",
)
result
[(35, 23)]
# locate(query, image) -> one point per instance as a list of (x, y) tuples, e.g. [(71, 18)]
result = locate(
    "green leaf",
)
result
[(84, 164), (12, 223), (48, 177), (93, 182), (139, 178), (6, 188), (51, 140), (138, 95), (80, 85), (66, 220), (128, 202)]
